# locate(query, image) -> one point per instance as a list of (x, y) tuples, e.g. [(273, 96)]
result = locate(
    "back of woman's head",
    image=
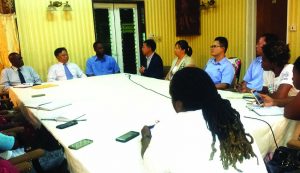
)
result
[(277, 52), (184, 45), (192, 86)]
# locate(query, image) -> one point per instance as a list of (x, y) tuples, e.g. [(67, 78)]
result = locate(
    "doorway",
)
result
[(272, 18), (117, 27)]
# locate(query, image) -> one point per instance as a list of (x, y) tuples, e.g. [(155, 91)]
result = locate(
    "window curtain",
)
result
[(8, 38)]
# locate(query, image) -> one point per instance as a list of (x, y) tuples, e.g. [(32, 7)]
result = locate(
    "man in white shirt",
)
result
[(18, 73), (64, 70)]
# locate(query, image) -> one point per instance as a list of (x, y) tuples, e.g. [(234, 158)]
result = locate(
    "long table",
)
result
[(116, 104)]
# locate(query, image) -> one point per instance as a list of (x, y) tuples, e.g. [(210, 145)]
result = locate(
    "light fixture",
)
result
[(54, 5), (209, 4)]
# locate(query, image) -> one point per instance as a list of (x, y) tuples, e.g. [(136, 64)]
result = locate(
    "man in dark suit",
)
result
[(152, 65)]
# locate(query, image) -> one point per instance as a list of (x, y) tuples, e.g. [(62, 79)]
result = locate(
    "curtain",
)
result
[(8, 38)]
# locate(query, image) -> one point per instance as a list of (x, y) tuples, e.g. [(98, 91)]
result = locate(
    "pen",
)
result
[(38, 95), (151, 126), (43, 104), (53, 119)]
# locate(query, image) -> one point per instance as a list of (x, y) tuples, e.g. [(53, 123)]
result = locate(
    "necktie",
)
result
[(22, 79), (68, 73)]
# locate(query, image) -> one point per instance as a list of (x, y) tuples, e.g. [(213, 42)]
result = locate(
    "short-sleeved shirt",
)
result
[(57, 72), (183, 144), (97, 67), (285, 77), (6, 142), (220, 72), (254, 75), (10, 76)]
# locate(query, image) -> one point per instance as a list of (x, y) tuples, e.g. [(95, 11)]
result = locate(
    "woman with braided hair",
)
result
[(183, 144)]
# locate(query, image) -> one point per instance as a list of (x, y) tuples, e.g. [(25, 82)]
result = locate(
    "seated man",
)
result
[(291, 104), (152, 65), (253, 79), (63, 70), (18, 73), (101, 64), (219, 68)]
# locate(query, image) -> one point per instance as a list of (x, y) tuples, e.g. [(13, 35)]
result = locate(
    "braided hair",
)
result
[(195, 89)]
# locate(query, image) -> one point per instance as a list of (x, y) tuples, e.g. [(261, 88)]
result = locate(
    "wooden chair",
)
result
[(237, 64)]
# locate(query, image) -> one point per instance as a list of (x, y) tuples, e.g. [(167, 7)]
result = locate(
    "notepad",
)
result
[(267, 111), (44, 86), (25, 85)]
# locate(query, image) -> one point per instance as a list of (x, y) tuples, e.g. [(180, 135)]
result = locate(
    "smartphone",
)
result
[(80, 144), (127, 136), (257, 97)]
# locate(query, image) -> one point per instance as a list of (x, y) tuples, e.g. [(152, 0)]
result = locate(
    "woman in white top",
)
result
[(183, 53), (205, 134), (278, 73)]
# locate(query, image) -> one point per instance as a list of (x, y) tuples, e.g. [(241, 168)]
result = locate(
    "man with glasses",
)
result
[(219, 68), (253, 79)]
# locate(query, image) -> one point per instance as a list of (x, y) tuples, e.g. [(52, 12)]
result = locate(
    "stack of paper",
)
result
[(266, 111)]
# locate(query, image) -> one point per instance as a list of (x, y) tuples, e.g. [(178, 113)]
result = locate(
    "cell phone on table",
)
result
[(80, 144), (127, 136), (257, 97)]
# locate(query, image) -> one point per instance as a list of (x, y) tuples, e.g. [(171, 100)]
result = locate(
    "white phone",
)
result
[(257, 97)]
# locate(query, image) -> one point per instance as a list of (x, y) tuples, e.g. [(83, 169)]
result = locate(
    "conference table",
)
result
[(112, 105)]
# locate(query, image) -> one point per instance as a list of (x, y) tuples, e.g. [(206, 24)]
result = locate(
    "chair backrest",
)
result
[(166, 70), (237, 64)]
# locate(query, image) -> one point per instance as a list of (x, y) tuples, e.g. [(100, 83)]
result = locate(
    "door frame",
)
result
[(117, 36), (251, 10)]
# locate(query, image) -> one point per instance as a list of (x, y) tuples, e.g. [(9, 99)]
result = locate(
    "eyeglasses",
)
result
[(214, 46)]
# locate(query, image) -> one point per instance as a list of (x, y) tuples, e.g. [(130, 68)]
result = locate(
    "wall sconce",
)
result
[(209, 4), (53, 5)]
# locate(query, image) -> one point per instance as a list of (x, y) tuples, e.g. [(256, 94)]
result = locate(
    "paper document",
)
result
[(25, 85), (47, 105), (266, 111), (233, 95), (65, 115), (54, 105)]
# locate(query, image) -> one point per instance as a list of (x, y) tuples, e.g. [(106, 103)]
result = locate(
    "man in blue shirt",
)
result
[(253, 79), (18, 73), (219, 68), (101, 64)]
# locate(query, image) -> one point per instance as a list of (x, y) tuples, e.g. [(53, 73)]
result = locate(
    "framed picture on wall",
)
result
[(187, 17)]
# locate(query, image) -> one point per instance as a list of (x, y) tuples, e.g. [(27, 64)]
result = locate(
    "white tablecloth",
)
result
[(115, 105)]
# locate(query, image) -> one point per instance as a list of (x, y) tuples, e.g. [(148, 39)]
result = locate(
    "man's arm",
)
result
[(4, 78), (51, 74), (222, 86), (89, 70), (156, 68), (227, 77), (35, 76), (79, 72)]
